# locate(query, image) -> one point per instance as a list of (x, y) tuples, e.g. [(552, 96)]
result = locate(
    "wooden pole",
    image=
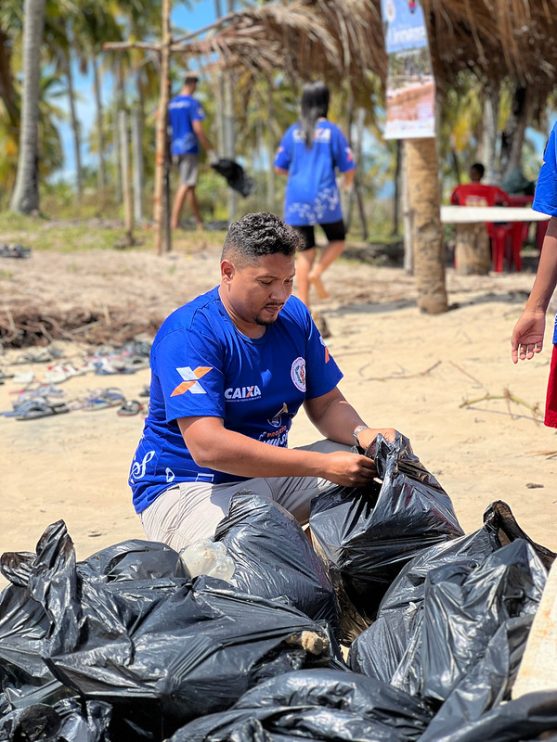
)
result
[(137, 166), (126, 182), (162, 235)]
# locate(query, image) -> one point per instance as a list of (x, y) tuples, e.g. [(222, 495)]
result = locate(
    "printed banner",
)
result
[(410, 82)]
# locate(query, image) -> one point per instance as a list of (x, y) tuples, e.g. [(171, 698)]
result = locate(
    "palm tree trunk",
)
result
[(160, 206), (25, 197), (74, 123), (101, 176), (7, 92), (489, 138), (425, 199), (513, 139), (230, 127)]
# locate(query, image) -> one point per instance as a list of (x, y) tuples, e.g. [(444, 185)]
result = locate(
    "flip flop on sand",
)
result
[(133, 407), (14, 251), (102, 399), (42, 408)]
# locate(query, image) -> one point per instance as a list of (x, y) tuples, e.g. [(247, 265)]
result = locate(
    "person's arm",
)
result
[(213, 446), (281, 171), (197, 127), (527, 337), (336, 419), (348, 179)]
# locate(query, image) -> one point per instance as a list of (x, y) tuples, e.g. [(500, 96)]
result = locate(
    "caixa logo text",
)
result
[(242, 392)]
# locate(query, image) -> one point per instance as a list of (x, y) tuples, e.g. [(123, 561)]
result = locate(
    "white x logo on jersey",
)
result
[(190, 381)]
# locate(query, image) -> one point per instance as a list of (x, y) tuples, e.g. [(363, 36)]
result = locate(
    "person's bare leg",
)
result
[(191, 197), (304, 262), (179, 199), (328, 257)]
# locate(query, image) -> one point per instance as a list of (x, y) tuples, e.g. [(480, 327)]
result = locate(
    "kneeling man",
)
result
[(230, 370)]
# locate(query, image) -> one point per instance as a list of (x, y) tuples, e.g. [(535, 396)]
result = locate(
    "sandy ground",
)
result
[(402, 369)]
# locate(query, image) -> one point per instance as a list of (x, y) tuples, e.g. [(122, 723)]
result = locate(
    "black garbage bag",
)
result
[(235, 175), (367, 535), (453, 626), (274, 558), (55, 605), (166, 653), (65, 721), (195, 653), (133, 560), (317, 705), (532, 716)]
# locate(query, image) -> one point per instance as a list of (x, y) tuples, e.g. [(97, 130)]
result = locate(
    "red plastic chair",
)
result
[(478, 194)]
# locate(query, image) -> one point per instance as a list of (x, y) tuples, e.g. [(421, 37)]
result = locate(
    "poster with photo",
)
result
[(410, 82)]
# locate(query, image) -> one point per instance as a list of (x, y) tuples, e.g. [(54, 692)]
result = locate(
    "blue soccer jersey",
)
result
[(312, 195), (545, 199), (202, 366), (183, 110)]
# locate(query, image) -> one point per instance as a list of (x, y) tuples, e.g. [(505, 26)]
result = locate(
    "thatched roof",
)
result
[(340, 38)]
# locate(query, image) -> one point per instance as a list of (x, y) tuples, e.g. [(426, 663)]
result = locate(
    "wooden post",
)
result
[(126, 183), (472, 254), (162, 235), (137, 166)]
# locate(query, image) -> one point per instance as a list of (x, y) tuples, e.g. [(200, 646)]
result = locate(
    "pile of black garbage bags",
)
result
[(127, 646)]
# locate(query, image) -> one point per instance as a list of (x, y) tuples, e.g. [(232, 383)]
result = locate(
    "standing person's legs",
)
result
[(296, 493), (304, 262), (177, 205), (189, 168), (191, 198), (335, 233)]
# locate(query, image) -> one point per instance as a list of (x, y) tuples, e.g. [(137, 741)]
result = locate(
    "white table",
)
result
[(472, 246), (475, 214)]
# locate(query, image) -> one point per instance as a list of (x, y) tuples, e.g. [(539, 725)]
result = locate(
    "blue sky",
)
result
[(187, 16)]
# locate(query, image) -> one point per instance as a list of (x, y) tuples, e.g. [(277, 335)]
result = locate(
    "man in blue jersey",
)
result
[(185, 115), (230, 370)]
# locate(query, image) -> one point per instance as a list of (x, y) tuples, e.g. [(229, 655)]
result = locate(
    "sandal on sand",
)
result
[(130, 408), (42, 408), (103, 399), (14, 251)]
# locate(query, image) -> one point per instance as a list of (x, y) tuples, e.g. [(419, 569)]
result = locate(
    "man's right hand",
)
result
[(348, 469), (527, 337)]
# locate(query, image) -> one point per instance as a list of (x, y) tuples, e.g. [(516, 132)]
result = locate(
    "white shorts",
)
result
[(190, 511), (188, 166)]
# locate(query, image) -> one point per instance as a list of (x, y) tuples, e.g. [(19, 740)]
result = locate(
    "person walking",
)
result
[(309, 154), (185, 114), (528, 333)]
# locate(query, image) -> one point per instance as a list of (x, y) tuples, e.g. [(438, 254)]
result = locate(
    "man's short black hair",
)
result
[(190, 78), (256, 235)]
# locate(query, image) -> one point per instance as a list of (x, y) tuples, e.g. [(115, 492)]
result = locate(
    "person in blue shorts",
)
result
[(527, 336), (230, 370), (310, 153), (185, 115)]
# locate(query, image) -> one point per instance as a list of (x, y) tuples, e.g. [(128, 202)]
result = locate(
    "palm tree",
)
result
[(25, 198)]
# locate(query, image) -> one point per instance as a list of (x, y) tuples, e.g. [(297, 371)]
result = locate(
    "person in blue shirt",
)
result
[(527, 336), (230, 370), (309, 153), (185, 115)]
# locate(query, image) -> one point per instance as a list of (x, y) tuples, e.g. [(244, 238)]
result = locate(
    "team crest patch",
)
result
[(298, 373)]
